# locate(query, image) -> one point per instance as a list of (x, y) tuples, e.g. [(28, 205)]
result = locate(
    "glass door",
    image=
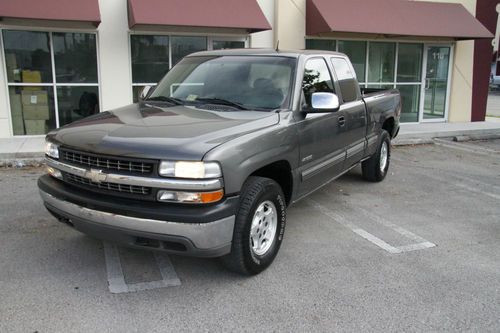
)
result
[(436, 81)]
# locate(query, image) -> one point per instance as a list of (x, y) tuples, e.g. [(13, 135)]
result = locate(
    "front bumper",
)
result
[(210, 237)]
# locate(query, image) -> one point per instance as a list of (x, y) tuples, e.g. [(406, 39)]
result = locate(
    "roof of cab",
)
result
[(264, 52)]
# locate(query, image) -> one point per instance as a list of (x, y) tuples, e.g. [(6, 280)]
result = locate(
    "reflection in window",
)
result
[(381, 62), (410, 100), (149, 58), (320, 44), (409, 62), (317, 78), (182, 46), (27, 56), (76, 103), (75, 57), (356, 51), (229, 44)]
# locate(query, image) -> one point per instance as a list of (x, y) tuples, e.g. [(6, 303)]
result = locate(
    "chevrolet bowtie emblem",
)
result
[(96, 176)]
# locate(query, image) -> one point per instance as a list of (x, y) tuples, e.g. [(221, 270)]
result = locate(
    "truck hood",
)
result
[(158, 132)]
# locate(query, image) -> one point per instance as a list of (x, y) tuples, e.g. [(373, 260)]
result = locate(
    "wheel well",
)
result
[(281, 173), (389, 126)]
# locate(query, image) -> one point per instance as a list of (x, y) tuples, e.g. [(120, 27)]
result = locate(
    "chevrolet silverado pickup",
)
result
[(208, 160)]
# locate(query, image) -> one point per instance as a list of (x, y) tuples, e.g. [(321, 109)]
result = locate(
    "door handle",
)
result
[(341, 121)]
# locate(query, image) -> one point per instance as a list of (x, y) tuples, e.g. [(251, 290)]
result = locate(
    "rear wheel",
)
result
[(259, 227), (376, 167)]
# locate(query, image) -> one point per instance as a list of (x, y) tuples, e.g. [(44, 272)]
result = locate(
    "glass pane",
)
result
[(436, 82), (182, 46), (409, 62), (32, 110), (348, 85), (381, 62), (27, 56), (320, 44), (356, 51), (136, 91), (149, 58), (75, 57), (317, 78), (227, 44), (380, 86), (410, 99), (76, 103)]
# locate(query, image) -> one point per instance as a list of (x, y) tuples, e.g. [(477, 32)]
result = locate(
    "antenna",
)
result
[(277, 46)]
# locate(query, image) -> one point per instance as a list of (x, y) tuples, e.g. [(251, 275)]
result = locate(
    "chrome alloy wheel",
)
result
[(384, 156), (263, 229)]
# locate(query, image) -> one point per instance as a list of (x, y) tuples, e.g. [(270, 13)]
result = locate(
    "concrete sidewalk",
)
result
[(29, 150)]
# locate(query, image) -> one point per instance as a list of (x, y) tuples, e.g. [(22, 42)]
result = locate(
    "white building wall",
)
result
[(265, 39), (114, 55)]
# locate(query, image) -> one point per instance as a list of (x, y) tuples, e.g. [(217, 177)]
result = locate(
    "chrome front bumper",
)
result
[(210, 239)]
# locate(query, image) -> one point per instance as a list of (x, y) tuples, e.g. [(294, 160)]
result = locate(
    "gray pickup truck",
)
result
[(207, 162)]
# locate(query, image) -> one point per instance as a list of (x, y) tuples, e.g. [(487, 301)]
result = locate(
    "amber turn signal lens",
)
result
[(208, 197)]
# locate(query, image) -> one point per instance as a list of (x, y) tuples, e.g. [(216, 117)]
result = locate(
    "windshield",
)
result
[(237, 82)]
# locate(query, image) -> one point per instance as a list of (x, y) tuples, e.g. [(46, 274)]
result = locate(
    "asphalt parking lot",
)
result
[(417, 252)]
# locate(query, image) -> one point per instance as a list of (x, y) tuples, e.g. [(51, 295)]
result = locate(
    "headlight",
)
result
[(52, 150), (190, 169)]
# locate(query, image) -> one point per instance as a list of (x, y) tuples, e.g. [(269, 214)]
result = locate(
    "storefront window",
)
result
[(409, 62), (356, 51), (182, 46), (154, 55), (76, 103), (35, 80), (227, 44), (32, 110), (410, 98), (150, 59), (75, 57), (381, 62), (321, 44), (27, 56)]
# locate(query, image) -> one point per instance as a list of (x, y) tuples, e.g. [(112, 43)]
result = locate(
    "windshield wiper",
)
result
[(172, 100), (222, 101)]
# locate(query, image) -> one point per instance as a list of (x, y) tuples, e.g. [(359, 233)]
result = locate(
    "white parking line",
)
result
[(116, 279), (339, 218)]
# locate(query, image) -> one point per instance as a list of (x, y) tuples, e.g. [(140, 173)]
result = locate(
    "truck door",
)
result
[(322, 154), (354, 118)]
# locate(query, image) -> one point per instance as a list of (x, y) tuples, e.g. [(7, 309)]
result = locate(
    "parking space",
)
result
[(417, 252)]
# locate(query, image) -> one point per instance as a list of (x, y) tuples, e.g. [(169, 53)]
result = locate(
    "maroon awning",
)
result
[(236, 14), (393, 17), (57, 10)]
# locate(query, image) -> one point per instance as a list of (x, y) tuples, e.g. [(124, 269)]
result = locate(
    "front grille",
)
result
[(105, 162), (127, 189)]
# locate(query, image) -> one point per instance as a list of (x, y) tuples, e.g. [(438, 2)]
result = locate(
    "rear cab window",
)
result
[(347, 80)]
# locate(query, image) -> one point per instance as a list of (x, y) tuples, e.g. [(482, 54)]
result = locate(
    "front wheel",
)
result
[(376, 167), (259, 227)]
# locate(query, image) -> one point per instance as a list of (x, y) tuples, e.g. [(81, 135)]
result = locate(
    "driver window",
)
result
[(317, 78)]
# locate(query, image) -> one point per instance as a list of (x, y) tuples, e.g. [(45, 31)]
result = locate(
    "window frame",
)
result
[(54, 83)]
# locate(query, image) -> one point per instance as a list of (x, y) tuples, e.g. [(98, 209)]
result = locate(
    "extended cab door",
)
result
[(353, 110), (322, 151)]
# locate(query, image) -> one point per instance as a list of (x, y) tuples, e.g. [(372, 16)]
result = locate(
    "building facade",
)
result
[(62, 60)]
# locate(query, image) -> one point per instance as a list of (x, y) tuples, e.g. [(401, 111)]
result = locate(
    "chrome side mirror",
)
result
[(145, 92), (324, 102)]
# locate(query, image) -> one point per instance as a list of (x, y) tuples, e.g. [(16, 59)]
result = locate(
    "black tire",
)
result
[(372, 170), (243, 259)]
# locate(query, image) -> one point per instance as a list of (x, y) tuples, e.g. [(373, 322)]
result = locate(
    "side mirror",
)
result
[(324, 102), (145, 92)]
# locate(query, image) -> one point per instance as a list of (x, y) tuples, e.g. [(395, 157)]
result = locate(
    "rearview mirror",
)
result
[(324, 102), (145, 92)]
